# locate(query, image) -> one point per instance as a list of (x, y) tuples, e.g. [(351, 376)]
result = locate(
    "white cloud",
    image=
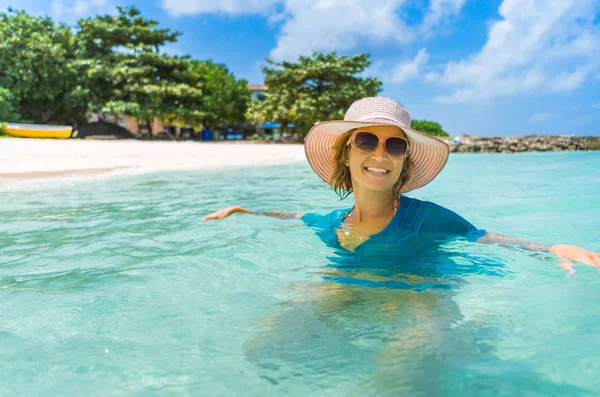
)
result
[(409, 69), (325, 25), (596, 105), (569, 81), (191, 7), (440, 10), (69, 9), (536, 45), (541, 117), (524, 81)]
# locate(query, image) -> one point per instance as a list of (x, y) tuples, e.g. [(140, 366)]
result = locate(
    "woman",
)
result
[(374, 154)]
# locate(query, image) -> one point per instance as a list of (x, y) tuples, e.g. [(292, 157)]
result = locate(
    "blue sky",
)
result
[(482, 67)]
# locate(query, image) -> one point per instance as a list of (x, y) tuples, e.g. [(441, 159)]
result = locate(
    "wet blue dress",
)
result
[(415, 218), (410, 244)]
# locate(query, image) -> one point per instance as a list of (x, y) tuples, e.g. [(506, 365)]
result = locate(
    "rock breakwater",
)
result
[(533, 143)]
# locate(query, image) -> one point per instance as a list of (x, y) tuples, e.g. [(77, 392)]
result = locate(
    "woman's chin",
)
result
[(378, 186)]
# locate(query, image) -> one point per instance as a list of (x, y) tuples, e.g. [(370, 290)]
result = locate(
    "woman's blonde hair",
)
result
[(341, 180)]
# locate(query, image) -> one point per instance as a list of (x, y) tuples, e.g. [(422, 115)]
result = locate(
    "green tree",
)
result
[(225, 99), (130, 75), (428, 127), (157, 85), (8, 110), (319, 87), (38, 65)]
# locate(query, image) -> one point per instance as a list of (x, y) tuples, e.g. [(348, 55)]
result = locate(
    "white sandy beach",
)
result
[(33, 159)]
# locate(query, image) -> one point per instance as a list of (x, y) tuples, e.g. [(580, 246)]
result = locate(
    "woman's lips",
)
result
[(377, 171)]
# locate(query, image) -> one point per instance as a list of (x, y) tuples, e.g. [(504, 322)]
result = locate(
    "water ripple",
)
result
[(117, 287)]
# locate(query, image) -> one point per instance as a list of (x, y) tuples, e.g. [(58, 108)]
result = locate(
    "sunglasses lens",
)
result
[(396, 147), (366, 142)]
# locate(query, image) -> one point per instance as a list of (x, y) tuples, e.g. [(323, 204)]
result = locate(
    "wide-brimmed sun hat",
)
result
[(429, 154)]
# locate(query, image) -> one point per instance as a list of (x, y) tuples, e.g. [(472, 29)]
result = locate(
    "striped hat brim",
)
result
[(429, 154)]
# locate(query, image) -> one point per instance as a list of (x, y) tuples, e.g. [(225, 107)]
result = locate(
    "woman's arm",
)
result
[(567, 255), (500, 239), (225, 212)]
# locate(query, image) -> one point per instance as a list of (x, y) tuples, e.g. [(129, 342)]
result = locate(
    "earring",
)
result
[(347, 164)]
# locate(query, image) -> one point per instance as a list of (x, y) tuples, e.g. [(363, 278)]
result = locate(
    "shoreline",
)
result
[(30, 160), (35, 160), (6, 178)]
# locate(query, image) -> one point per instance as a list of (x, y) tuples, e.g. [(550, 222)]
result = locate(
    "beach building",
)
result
[(258, 91), (132, 125), (266, 127)]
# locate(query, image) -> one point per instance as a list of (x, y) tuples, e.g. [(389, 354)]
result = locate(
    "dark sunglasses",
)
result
[(367, 142)]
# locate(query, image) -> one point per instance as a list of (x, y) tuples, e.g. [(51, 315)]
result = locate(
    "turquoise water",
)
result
[(115, 287)]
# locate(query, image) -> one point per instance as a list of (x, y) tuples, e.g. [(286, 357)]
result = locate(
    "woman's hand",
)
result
[(569, 254), (225, 212)]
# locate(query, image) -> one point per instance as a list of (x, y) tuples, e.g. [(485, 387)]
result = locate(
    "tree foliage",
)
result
[(319, 87), (428, 127), (130, 75), (38, 65), (225, 99), (54, 74), (8, 110)]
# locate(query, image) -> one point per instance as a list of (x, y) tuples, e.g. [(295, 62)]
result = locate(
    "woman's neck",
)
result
[(373, 205)]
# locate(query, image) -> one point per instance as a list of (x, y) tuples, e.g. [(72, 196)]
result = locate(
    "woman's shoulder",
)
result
[(324, 220), (416, 204), (430, 217)]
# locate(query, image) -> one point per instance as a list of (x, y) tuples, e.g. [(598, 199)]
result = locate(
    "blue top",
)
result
[(410, 243), (415, 218)]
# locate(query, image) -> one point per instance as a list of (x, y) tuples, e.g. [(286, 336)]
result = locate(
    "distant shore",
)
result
[(25, 160)]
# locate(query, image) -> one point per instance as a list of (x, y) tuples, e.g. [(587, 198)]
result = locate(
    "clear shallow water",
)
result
[(115, 287)]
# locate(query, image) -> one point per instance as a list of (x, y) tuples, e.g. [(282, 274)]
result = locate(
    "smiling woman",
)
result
[(375, 155), (365, 141)]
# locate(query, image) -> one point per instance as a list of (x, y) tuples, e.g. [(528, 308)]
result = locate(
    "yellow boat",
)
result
[(38, 130)]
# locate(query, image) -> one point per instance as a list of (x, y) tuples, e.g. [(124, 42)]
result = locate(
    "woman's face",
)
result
[(376, 171)]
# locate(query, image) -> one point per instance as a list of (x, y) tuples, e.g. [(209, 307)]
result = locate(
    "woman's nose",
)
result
[(380, 151)]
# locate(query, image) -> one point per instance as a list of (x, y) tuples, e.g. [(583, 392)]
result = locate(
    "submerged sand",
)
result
[(34, 159)]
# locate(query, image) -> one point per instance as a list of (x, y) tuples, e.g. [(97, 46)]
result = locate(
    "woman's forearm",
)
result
[(225, 212), (278, 214), (567, 255), (500, 239)]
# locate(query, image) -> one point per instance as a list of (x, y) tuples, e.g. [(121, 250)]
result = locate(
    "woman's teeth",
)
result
[(377, 170)]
